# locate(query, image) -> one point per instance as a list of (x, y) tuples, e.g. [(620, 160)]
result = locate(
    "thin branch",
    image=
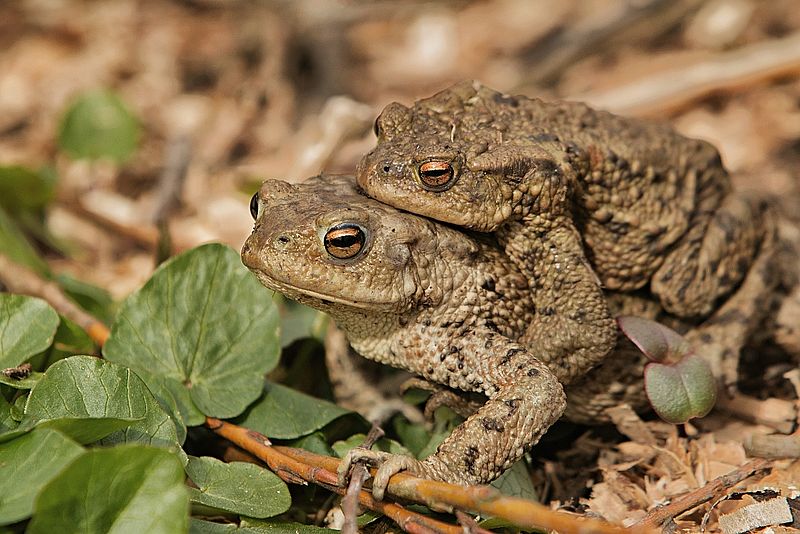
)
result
[(297, 472), (658, 516), (484, 500), (20, 279)]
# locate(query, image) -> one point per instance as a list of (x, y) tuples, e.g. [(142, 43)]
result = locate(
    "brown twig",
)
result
[(484, 500), (20, 279), (296, 464), (297, 472), (657, 516), (358, 475)]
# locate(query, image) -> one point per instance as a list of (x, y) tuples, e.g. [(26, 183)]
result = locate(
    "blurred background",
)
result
[(133, 120)]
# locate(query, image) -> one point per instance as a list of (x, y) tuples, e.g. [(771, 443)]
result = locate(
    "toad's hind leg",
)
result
[(712, 259), (721, 337)]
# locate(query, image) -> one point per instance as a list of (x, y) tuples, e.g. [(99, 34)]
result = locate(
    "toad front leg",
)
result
[(525, 398), (573, 329)]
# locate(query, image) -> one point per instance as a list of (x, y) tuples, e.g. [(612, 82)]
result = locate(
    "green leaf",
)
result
[(255, 526), (18, 407), (516, 482), (200, 526), (284, 413), (300, 322), (83, 430), (95, 300), (202, 327), (23, 383), (23, 189), (315, 443), (99, 125), (275, 526), (237, 487), (27, 326), (16, 246), (414, 437), (26, 465), (168, 403), (6, 421), (24, 195), (86, 387), (128, 488), (445, 420), (70, 340), (656, 341), (681, 391)]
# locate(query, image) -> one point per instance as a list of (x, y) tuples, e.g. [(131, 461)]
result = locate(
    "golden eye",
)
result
[(436, 175), (345, 241)]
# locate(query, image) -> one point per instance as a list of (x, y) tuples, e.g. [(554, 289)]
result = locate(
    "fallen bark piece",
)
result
[(761, 514), (775, 413), (773, 446)]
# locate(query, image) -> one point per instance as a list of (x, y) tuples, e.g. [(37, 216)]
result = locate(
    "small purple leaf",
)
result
[(655, 340), (681, 391)]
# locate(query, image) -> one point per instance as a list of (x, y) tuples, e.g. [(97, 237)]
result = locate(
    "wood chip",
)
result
[(629, 424), (761, 514)]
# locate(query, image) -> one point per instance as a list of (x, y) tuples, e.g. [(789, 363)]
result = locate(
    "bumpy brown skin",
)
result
[(419, 296), (581, 200)]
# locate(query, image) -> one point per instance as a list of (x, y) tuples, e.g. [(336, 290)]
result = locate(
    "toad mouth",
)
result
[(301, 293)]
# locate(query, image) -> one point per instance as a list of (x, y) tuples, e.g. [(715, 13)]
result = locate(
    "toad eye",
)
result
[(345, 241), (436, 175), (254, 206)]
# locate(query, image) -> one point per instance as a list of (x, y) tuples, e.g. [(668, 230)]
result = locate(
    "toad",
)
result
[(581, 200)]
